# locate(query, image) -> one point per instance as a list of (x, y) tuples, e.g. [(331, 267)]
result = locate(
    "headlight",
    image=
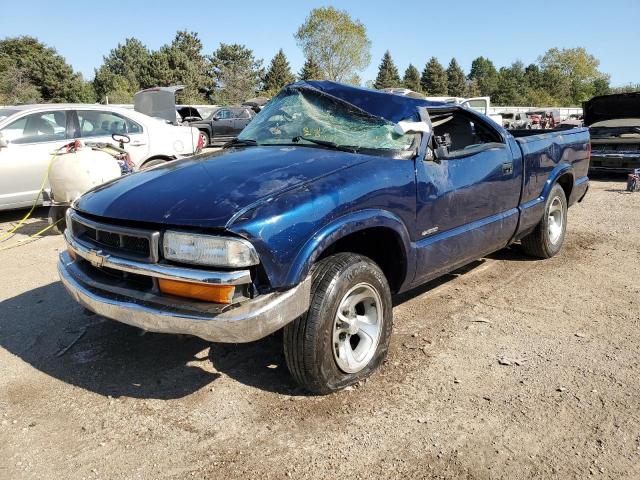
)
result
[(208, 250)]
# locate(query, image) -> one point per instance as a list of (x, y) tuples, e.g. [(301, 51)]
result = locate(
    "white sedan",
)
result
[(30, 134)]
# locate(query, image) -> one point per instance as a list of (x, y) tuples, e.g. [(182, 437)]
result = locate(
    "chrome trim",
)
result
[(152, 236), (102, 258), (245, 322)]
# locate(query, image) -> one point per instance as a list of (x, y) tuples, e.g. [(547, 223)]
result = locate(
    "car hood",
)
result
[(612, 107), (210, 192)]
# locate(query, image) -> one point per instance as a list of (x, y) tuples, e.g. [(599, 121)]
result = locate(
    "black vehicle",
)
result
[(614, 122), (222, 125)]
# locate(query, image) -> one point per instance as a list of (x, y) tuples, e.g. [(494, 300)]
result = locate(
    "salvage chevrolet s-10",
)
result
[(333, 199)]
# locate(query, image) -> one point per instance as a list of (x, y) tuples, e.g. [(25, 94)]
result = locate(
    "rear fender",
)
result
[(531, 212)]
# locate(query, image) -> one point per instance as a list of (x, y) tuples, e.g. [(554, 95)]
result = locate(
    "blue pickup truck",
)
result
[(333, 199)]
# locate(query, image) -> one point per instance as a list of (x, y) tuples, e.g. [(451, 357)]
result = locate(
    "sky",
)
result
[(412, 30)]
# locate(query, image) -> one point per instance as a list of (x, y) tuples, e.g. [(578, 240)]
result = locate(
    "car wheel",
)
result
[(344, 336), (205, 139), (152, 163), (547, 238)]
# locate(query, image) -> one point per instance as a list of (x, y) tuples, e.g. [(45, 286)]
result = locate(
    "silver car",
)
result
[(30, 134)]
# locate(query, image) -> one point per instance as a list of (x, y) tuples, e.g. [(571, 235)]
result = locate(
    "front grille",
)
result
[(616, 147), (124, 242)]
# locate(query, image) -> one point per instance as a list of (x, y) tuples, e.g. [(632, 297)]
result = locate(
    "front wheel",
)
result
[(344, 337), (547, 238), (205, 139)]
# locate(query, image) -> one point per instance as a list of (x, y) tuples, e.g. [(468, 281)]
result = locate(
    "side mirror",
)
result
[(215, 119), (3, 142)]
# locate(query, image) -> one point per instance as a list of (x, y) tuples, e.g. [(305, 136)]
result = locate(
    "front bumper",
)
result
[(244, 322)]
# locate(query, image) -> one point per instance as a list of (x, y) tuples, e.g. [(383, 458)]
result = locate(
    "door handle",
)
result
[(507, 168), (137, 144)]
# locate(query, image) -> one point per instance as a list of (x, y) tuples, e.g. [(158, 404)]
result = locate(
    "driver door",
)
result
[(467, 194), (99, 125), (222, 123)]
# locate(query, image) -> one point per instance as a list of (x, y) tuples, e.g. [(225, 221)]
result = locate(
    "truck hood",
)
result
[(209, 192), (611, 107)]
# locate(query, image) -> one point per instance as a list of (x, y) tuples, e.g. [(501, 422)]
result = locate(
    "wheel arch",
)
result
[(377, 234)]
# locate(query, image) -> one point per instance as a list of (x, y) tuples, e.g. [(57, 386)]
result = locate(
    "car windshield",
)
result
[(305, 117)]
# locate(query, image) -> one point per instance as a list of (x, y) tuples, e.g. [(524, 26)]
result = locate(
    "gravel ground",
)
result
[(512, 368)]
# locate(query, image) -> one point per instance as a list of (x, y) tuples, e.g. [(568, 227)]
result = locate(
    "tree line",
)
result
[(560, 78), (336, 47)]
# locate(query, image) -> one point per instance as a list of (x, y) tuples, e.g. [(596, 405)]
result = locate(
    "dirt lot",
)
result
[(120, 405)]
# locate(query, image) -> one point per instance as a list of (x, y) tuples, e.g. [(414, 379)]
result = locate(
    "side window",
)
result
[(243, 114), (223, 114), (37, 128), (97, 123), (460, 133)]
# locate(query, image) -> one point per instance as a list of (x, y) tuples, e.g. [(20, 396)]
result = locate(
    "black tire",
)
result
[(308, 341), (539, 242), (56, 219), (153, 163), (206, 141)]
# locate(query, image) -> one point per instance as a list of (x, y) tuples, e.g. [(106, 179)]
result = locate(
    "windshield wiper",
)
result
[(326, 143), (248, 142)]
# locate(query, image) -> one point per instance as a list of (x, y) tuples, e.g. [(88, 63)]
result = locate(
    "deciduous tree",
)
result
[(485, 74), (336, 42)]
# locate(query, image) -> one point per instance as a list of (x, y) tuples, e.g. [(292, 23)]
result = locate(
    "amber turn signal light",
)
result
[(208, 293)]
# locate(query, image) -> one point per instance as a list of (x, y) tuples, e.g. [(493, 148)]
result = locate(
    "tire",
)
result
[(316, 345), (547, 238), (206, 141), (152, 163), (56, 219)]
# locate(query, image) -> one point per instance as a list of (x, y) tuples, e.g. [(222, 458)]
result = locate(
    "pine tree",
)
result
[(456, 80), (278, 75), (387, 73), (411, 79), (310, 70), (434, 78)]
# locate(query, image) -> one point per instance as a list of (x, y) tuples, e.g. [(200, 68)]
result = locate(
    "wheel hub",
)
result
[(357, 328)]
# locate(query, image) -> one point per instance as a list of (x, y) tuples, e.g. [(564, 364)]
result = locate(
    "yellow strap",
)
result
[(31, 237)]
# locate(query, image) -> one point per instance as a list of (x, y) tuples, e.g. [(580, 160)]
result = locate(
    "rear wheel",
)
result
[(344, 337), (547, 238)]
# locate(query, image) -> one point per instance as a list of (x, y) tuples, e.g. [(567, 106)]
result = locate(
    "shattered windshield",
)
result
[(306, 117)]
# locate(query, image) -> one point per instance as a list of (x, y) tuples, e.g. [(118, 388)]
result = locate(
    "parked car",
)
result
[(223, 125), (29, 134), (614, 122), (515, 120), (330, 201)]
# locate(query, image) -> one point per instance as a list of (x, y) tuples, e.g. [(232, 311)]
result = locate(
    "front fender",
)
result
[(343, 226)]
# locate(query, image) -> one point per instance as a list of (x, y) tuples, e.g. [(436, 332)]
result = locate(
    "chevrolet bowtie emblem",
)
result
[(95, 257)]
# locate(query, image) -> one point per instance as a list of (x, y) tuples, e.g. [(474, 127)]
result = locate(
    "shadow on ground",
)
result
[(48, 330)]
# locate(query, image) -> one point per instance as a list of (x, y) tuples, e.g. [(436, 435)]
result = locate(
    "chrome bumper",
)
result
[(245, 322)]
